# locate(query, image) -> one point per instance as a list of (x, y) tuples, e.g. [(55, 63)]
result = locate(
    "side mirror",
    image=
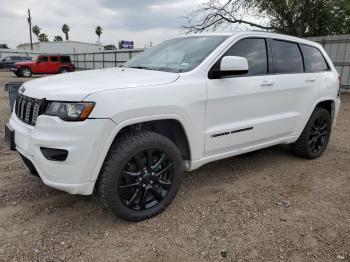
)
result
[(235, 64), (231, 65)]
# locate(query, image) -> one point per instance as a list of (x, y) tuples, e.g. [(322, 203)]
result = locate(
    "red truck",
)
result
[(44, 64)]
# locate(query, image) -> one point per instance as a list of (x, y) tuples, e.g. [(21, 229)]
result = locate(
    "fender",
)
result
[(132, 121), (312, 109)]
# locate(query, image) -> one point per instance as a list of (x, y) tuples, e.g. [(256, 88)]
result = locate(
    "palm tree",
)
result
[(65, 30), (58, 38), (43, 37), (36, 31), (98, 32)]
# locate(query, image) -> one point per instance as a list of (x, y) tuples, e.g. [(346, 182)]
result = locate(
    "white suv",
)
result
[(130, 132)]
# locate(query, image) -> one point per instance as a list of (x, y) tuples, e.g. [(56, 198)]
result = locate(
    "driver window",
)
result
[(255, 51), (43, 59)]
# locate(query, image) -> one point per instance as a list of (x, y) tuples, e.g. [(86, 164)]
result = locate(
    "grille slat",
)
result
[(28, 109)]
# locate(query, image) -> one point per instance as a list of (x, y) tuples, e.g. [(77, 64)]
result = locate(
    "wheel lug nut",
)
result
[(143, 185), (140, 179), (151, 182)]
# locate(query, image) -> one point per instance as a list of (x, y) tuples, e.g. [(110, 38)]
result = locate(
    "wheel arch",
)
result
[(171, 126), (63, 67), (329, 103)]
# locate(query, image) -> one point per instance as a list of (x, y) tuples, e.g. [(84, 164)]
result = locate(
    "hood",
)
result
[(25, 63), (76, 86)]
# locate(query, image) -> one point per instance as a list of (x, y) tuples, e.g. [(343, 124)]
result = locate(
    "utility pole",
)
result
[(30, 29)]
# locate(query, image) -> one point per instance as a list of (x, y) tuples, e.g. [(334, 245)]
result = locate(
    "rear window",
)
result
[(314, 60), (65, 59), (287, 57)]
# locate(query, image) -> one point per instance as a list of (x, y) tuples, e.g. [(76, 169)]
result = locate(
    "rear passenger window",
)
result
[(54, 58), (287, 57), (314, 60), (254, 50)]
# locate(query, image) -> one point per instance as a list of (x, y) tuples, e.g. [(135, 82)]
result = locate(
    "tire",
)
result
[(26, 72), (314, 139), (63, 70), (131, 186)]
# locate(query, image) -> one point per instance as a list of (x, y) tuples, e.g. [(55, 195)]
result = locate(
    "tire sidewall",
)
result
[(23, 69), (320, 112), (116, 205), (63, 70)]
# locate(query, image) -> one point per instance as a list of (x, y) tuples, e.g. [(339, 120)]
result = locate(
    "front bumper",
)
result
[(15, 70), (84, 142)]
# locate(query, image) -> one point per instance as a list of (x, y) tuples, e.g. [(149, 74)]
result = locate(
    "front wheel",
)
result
[(141, 175), (26, 72), (314, 139)]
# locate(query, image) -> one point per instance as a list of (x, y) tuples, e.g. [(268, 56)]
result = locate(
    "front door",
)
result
[(42, 65)]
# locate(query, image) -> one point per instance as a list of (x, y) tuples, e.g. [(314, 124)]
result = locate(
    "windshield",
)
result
[(177, 55)]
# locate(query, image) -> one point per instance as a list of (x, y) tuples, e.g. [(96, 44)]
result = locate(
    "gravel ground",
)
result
[(263, 206)]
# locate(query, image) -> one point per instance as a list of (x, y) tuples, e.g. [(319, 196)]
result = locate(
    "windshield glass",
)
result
[(177, 55)]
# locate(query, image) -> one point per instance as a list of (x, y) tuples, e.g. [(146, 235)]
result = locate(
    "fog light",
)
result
[(54, 154)]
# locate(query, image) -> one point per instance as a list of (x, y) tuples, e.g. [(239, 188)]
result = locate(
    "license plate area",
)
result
[(10, 137)]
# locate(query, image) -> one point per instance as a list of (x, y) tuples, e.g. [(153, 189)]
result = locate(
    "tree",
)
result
[(36, 31), (43, 37), (295, 17), (58, 38), (65, 30), (98, 32), (4, 46)]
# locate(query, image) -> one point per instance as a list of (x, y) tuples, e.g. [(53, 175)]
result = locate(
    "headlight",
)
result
[(70, 111)]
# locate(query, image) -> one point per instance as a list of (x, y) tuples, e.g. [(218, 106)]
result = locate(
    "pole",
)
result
[(30, 29)]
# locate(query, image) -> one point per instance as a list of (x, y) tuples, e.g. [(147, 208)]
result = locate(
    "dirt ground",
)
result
[(264, 206)]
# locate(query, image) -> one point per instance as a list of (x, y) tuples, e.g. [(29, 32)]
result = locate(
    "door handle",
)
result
[(267, 84), (311, 80)]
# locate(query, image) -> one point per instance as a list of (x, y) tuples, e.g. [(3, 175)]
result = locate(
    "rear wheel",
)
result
[(315, 137), (63, 70), (141, 176), (26, 72)]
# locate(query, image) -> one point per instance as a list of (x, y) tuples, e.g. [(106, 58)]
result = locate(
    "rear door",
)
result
[(298, 89), (54, 64)]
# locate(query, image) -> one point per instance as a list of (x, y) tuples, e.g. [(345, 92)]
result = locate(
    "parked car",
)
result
[(129, 132), (44, 64), (9, 61)]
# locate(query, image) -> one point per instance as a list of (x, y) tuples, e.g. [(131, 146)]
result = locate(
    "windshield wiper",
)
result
[(141, 67)]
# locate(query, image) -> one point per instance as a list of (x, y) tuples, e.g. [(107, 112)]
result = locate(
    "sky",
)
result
[(139, 20)]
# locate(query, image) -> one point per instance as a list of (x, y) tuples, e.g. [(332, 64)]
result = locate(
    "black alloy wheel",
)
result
[(140, 176), (318, 135), (314, 139), (146, 179)]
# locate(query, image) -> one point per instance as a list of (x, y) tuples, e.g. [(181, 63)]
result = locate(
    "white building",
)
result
[(63, 47)]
